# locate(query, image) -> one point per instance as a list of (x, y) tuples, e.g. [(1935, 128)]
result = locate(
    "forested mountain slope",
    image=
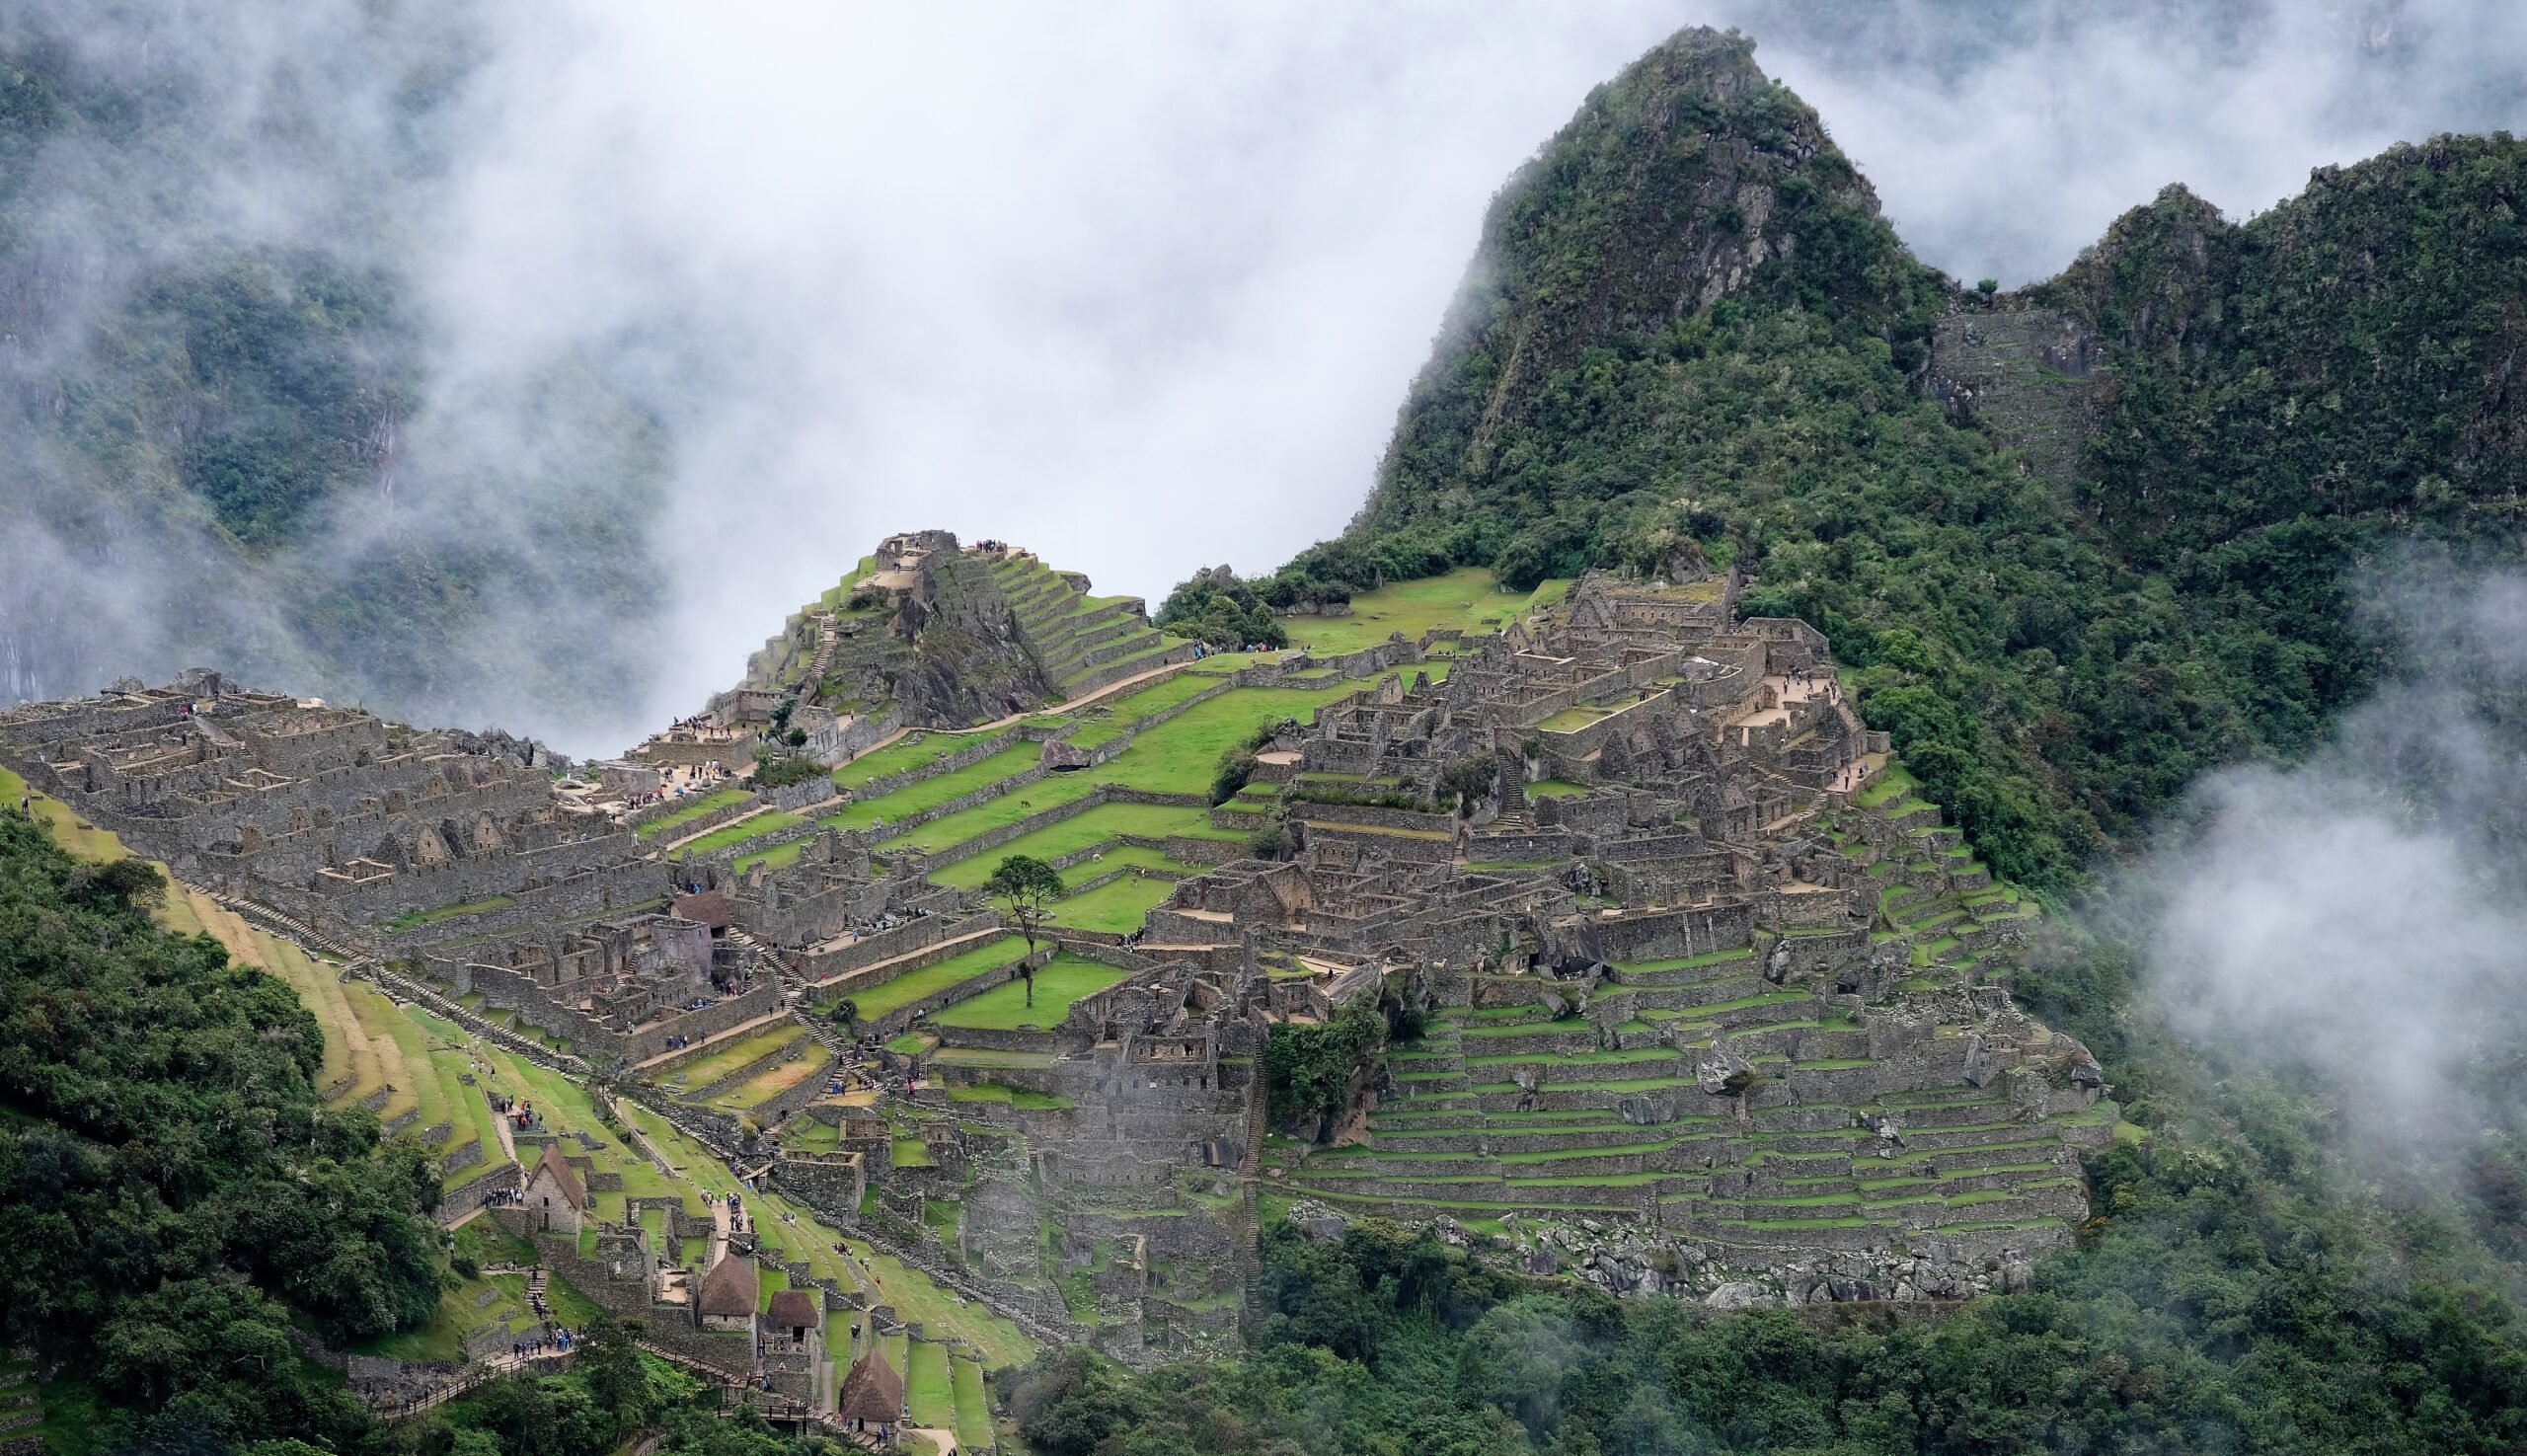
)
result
[(1687, 319)]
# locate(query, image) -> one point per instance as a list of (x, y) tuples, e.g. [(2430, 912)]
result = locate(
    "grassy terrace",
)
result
[(770, 1083), (476, 1304), (690, 808), (417, 918), (911, 752), (1081, 830), (457, 1103), (915, 799), (876, 1001), (1116, 907), (1181, 755), (929, 1386), (1892, 785), (1104, 722), (974, 1411), (720, 1061), (1004, 1007), (1017, 1097), (1006, 809), (1468, 597), (1121, 857), (743, 830)]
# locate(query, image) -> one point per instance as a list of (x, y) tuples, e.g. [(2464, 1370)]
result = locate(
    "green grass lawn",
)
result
[(689, 808), (1017, 1097), (1106, 720), (463, 1106), (1468, 597), (1555, 789), (1892, 783), (1116, 907), (811, 1135), (974, 1411), (911, 752), (448, 912), (1008, 808), (769, 1083), (876, 1001), (914, 799), (1004, 1008), (1182, 754), (929, 1388), (1079, 831), (459, 1315), (1119, 857), (719, 1062), (742, 829)]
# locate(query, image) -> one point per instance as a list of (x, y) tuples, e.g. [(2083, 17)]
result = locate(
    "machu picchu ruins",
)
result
[(1681, 990)]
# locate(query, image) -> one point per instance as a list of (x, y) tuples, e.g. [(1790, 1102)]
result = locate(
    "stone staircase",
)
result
[(829, 636)]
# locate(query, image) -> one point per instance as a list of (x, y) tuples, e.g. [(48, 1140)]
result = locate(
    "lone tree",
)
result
[(1025, 888)]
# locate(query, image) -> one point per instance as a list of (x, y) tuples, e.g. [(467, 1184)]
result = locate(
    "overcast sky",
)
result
[(1139, 285)]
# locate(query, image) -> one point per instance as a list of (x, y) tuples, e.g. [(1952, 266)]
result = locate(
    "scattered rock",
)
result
[(1738, 1294)]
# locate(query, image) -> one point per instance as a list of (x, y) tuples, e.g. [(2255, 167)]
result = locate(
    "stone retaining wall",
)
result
[(885, 944)]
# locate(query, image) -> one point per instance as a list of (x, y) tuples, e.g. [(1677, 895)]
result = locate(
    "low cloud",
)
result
[(1139, 285), (2360, 916)]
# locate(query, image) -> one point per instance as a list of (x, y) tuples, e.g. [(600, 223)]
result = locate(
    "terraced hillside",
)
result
[(1080, 643), (1597, 1102)]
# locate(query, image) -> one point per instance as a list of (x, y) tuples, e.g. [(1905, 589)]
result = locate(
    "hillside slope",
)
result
[(2080, 541)]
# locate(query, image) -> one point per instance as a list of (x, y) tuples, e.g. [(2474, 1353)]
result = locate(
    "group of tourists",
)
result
[(557, 1343)]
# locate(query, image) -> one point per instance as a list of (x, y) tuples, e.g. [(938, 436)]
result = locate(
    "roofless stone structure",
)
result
[(1693, 998)]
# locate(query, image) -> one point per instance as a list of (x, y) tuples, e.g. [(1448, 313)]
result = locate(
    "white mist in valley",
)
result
[(2360, 915)]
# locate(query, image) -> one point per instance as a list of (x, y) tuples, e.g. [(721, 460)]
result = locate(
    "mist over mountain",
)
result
[(443, 356), (2055, 995)]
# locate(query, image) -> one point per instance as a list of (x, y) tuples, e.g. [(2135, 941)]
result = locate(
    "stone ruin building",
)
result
[(1705, 1007), (449, 852)]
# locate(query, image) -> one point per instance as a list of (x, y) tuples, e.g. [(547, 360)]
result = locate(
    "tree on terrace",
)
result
[(1025, 887)]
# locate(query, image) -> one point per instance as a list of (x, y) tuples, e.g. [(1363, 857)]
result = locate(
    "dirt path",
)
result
[(1082, 701), (664, 852)]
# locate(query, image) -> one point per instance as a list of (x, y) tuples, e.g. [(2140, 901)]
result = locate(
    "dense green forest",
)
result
[(1687, 321), (176, 1187), (2216, 1309), (179, 1202)]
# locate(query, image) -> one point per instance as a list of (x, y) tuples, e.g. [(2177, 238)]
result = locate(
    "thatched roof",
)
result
[(796, 1309), (709, 906), (873, 1391), (730, 1289)]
